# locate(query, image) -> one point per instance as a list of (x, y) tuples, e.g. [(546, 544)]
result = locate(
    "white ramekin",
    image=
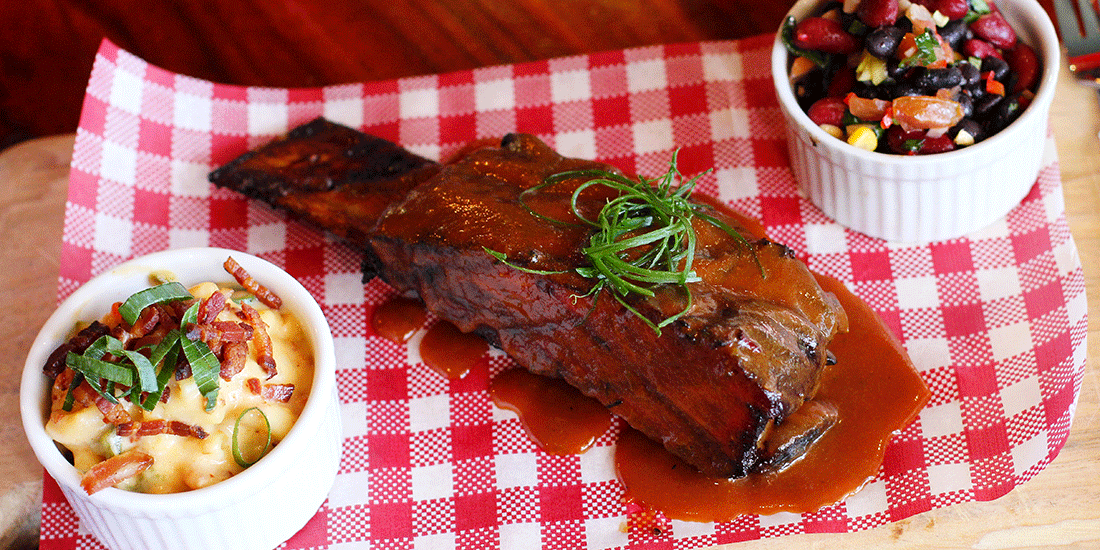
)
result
[(255, 510), (918, 199)]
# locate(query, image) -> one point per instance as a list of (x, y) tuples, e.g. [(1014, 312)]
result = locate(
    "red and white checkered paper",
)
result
[(994, 321)]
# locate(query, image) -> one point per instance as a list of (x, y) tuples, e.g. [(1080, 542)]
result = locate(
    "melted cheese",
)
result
[(185, 463)]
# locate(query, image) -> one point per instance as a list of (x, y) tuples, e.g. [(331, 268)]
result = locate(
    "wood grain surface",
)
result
[(45, 60), (44, 66)]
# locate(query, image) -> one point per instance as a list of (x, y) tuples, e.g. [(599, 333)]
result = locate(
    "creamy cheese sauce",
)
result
[(182, 463)]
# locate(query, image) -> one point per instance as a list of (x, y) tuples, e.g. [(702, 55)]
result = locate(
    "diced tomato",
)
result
[(926, 112), (867, 109)]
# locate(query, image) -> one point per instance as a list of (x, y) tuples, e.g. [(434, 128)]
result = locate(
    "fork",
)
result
[(1083, 47)]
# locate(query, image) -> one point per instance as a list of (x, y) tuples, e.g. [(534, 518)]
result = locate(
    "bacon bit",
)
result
[(113, 318), (136, 429), (183, 368), (254, 385), (79, 343), (60, 387), (235, 332), (262, 341), (146, 322), (221, 332), (113, 413), (278, 392), (234, 356), (268, 298), (210, 308), (115, 470)]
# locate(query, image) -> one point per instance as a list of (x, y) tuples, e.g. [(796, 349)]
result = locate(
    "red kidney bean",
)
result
[(877, 13), (843, 82), (827, 110), (825, 35), (896, 139), (1025, 63), (917, 142), (993, 28), (976, 47), (953, 9), (933, 145)]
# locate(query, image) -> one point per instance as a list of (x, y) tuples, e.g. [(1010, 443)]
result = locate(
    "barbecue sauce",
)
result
[(398, 319), (450, 352), (873, 385), (877, 392), (556, 416)]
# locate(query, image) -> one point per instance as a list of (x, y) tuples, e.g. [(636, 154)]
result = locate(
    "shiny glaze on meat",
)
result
[(711, 387)]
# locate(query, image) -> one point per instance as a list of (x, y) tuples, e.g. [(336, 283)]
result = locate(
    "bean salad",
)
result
[(910, 77)]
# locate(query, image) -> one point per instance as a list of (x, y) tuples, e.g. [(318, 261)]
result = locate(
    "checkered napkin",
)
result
[(995, 321)]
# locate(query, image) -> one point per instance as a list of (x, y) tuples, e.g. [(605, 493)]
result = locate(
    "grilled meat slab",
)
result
[(723, 387)]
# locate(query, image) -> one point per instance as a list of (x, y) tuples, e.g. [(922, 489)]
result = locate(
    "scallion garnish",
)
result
[(166, 354), (139, 374), (93, 368), (146, 374), (135, 304), (642, 237), (67, 404), (205, 369), (237, 455)]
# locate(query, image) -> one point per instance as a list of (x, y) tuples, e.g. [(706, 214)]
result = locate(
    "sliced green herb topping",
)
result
[(926, 43), (115, 372), (642, 237), (135, 304)]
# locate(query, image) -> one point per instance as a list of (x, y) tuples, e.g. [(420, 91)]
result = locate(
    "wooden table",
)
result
[(1059, 508)]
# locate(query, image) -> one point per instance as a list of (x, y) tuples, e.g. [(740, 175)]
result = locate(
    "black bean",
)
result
[(976, 90), (883, 42), (937, 79), (971, 75), (985, 104), (906, 89), (995, 64), (870, 91), (971, 127), (894, 69), (954, 33), (1008, 110), (810, 88), (967, 103), (905, 24)]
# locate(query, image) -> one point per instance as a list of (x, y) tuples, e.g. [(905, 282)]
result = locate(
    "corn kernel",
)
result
[(832, 130), (863, 137), (964, 139)]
